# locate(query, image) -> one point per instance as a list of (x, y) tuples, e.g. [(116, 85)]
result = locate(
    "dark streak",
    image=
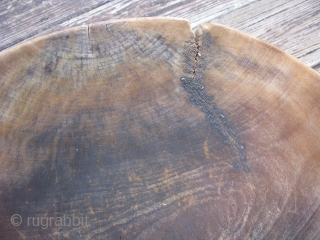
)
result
[(194, 63)]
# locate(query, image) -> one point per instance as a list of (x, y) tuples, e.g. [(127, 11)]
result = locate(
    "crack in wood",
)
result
[(216, 116)]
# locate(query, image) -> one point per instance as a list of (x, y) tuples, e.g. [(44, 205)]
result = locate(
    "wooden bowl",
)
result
[(143, 129)]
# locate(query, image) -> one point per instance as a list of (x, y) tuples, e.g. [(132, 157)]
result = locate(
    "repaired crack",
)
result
[(194, 63)]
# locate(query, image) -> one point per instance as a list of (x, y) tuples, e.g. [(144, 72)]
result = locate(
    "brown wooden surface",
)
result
[(154, 132), (291, 25)]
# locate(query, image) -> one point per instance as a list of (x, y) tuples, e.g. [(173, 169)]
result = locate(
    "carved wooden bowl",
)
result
[(143, 129)]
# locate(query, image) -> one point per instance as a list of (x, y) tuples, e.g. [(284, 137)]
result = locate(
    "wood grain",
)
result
[(152, 131), (291, 25)]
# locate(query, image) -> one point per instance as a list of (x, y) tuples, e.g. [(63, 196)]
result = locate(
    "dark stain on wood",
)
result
[(195, 62)]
